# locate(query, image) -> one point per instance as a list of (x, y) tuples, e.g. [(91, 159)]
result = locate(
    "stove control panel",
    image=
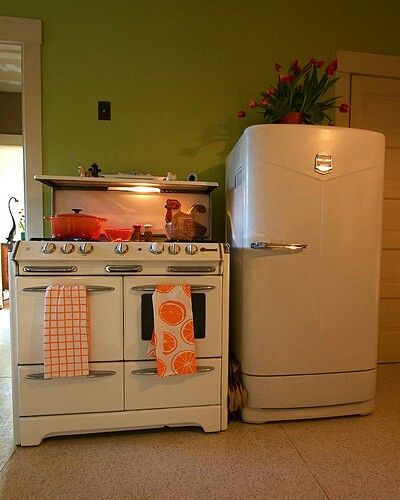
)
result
[(92, 257)]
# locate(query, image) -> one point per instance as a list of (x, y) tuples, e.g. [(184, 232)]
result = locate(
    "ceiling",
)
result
[(10, 68)]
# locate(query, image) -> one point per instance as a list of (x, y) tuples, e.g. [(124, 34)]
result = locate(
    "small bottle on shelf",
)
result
[(148, 235), (136, 232)]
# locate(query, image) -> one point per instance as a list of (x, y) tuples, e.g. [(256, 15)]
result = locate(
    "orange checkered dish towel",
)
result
[(172, 342), (66, 331)]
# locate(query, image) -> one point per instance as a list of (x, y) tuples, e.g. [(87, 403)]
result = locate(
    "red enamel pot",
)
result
[(76, 225)]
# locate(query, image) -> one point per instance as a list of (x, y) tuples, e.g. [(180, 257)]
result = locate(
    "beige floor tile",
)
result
[(5, 359), (243, 462), (19, 480), (336, 458), (6, 431), (356, 457)]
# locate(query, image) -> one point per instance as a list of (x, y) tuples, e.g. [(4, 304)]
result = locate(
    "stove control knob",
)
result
[(86, 248), (67, 248), (174, 249), (191, 249), (48, 247), (156, 248), (121, 248)]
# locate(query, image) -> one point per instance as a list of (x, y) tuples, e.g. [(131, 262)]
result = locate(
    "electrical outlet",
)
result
[(104, 110)]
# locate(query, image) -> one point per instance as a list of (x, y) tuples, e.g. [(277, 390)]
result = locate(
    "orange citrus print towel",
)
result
[(66, 331), (172, 342)]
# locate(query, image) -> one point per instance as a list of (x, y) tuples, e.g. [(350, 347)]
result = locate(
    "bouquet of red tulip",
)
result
[(296, 98)]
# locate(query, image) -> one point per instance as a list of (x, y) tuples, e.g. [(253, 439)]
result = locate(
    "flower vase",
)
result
[(292, 117)]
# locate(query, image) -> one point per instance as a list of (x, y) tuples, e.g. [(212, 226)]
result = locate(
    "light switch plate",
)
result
[(104, 110)]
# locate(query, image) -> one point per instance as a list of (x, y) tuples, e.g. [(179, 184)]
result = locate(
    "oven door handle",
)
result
[(151, 288), (50, 269), (92, 374), (153, 371), (124, 269), (90, 288), (191, 269)]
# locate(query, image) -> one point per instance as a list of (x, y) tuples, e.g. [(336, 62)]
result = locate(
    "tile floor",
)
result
[(6, 440), (336, 458)]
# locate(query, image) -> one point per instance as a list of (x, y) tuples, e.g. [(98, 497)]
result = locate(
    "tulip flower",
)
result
[(286, 78), (270, 91), (331, 68), (295, 67), (252, 103), (241, 114), (277, 67), (264, 102), (344, 108), (318, 63)]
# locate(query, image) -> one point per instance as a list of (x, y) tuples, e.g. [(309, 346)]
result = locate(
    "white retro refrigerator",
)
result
[(304, 219)]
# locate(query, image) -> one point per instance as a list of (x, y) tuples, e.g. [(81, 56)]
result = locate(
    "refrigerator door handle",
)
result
[(265, 245)]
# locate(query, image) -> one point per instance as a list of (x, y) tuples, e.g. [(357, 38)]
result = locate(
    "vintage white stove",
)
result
[(122, 390)]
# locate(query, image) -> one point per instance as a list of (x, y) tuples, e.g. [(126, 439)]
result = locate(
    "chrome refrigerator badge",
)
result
[(323, 164)]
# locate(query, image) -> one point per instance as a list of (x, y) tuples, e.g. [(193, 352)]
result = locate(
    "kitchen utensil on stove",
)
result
[(118, 233), (76, 225)]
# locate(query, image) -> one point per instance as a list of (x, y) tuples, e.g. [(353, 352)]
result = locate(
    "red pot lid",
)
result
[(76, 213)]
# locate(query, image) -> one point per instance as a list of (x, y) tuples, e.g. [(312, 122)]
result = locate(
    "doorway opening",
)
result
[(12, 198)]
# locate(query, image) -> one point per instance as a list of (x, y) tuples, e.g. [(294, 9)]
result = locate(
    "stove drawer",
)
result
[(146, 391), (105, 312), (103, 391)]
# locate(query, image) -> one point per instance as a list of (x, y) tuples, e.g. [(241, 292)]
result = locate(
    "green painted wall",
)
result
[(176, 73)]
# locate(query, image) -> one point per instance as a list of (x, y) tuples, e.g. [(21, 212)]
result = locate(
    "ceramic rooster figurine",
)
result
[(184, 226)]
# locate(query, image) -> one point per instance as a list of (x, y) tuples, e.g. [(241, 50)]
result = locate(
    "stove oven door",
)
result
[(105, 310), (139, 319)]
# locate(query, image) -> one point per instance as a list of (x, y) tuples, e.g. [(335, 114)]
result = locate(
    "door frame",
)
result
[(360, 63), (379, 66), (28, 34)]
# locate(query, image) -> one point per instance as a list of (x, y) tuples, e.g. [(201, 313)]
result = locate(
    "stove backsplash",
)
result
[(191, 221)]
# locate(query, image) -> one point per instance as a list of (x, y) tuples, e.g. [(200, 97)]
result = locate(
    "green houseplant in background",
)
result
[(298, 95)]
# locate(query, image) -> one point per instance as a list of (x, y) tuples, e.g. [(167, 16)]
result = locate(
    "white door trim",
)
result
[(28, 34), (368, 64), (360, 63)]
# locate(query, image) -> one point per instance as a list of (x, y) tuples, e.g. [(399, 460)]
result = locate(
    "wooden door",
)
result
[(376, 106)]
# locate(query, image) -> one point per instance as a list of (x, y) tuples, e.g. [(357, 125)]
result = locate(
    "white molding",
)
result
[(20, 30), (361, 63), (342, 89), (28, 33), (11, 140)]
